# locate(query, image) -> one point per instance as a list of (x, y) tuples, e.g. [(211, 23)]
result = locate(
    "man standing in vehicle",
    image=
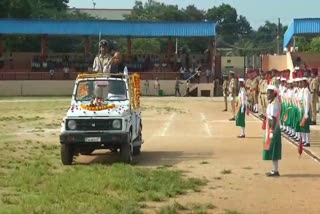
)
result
[(102, 62)]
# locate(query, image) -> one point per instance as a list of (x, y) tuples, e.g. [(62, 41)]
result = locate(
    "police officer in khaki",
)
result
[(225, 89), (232, 93), (102, 62), (247, 86), (263, 94), (314, 87), (274, 81)]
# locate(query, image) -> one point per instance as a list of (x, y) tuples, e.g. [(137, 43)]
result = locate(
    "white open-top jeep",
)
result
[(104, 114)]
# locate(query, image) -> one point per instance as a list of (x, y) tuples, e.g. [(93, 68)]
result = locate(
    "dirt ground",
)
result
[(194, 135)]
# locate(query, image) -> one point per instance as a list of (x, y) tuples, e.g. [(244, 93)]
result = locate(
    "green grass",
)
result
[(195, 208), (118, 188), (33, 180)]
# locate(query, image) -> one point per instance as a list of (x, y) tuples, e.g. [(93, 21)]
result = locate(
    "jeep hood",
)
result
[(121, 108)]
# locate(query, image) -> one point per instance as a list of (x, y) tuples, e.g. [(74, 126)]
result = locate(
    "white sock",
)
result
[(242, 130), (303, 136), (275, 165), (307, 137)]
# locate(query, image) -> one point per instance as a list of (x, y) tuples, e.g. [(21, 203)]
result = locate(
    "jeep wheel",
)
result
[(87, 152), (126, 151), (66, 154), (136, 150)]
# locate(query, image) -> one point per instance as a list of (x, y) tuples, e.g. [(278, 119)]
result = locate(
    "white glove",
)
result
[(242, 110), (306, 116), (271, 135)]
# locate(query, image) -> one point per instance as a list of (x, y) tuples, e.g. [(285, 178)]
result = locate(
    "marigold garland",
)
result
[(97, 108)]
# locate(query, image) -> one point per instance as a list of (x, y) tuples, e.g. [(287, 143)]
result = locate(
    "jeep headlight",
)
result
[(72, 124), (116, 124)]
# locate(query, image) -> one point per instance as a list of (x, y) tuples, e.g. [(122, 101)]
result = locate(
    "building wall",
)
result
[(233, 63), (65, 88), (278, 62)]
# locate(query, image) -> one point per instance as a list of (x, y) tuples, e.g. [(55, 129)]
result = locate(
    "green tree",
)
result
[(315, 44), (226, 18), (19, 9), (193, 14)]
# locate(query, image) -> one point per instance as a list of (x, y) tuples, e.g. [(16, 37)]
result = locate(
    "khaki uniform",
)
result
[(274, 81), (102, 63), (254, 90), (225, 92), (248, 85), (233, 94), (263, 95), (314, 87)]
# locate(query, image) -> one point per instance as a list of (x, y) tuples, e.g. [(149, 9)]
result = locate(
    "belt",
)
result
[(263, 93)]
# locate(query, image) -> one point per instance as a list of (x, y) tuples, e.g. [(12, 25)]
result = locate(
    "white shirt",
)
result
[(306, 101), (273, 109), (242, 98)]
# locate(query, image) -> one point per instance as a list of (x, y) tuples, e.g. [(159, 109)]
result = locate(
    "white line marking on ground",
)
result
[(167, 124), (205, 123)]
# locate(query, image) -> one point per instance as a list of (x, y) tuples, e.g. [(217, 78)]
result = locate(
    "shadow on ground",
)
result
[(147, 158)]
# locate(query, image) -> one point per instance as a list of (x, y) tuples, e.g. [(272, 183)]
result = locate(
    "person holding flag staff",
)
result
[(287, 118), (241, 108), (296, 111), (272, 147), (306, 113), (282, 91)]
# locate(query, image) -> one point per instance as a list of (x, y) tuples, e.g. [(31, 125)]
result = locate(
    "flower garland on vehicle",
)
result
[(135, 90), (97, 105)]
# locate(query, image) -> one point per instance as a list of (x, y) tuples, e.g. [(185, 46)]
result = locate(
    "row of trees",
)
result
[(234, 30)]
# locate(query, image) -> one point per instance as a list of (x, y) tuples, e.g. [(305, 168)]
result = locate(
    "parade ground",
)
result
[(188, 134)]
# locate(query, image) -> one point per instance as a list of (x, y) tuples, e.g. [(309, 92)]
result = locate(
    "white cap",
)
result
[(241, 80), (297, 79), (305, 78), (272, 87), (283, 79), (290, 81), (231, 72), (278, 78)]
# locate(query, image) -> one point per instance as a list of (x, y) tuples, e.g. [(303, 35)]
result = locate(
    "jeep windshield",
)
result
[(111, 90)]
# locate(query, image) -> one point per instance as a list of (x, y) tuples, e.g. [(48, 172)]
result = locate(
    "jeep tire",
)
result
[(126, 151), (136, 150), (66, 154)]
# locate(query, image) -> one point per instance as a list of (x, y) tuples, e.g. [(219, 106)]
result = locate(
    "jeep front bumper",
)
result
[(93, 138)]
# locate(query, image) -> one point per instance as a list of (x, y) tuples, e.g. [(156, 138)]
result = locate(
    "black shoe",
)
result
[(306, 145), (232, 119), (313, 123), (241, 136), (272, 174), (225, 110)]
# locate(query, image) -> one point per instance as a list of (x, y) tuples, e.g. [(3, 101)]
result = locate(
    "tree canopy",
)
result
[(234, 30)]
